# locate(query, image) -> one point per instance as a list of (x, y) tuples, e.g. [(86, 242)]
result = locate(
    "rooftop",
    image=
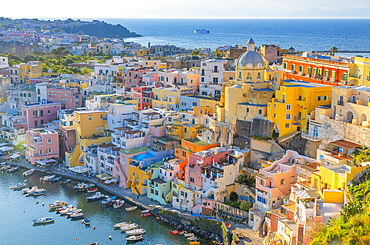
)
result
[(197, 141), (134, 150)]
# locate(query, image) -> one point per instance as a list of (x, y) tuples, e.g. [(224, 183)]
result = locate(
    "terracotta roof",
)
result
[(345, 144)]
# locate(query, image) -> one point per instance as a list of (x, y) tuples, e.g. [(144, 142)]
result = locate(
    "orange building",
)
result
[(316, 69), (186, 149)]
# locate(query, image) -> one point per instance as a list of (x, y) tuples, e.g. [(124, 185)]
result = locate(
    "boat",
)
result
[(66, 210), (28, 172), (201, 31), (118, 204), (192, 238), (5, 167), (92, 190), (25, 190), (145, 211), (175, 232), (73, 211), (146, 214), (43, 220), (131, 208), (135, 238), (95, 197), (83, 186), (39, 192), (188, 234), (18, 186), (86, 221), (136, 232), (119, 225), (129, 227), (57, 204), (77, 215), (108, 200), (47, 178), (93, 243), (11, 170), (65, 181), (55, 179)]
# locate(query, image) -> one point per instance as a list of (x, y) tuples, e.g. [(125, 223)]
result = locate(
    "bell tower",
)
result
[(250, 44)]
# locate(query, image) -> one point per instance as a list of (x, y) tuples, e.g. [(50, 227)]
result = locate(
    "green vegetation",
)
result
[(58, 60), (235, 203), (247, 180), (361, 155), (353, 224)]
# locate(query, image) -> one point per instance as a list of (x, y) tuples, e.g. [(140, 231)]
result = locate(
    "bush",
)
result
[(233, 196), (245, 206)]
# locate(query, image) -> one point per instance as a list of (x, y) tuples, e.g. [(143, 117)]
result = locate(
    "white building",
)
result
[(211, 77)]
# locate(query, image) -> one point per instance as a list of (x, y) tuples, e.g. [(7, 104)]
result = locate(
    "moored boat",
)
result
[(73, 211), (47, 178), (28, 172), (67, 209), (188, 234), (92, 190), (131, 208), (18, 186), (65, 181), (57, 204), (83, 186), (79, 215), (11, 170), (55, 179), (39, 192), (119, 225), (43, 220), (136, 232), (135, 238), (118, 204), (146, 214), (95, 197), (108, 200), (25, 190), (86, 221), (129, 227)]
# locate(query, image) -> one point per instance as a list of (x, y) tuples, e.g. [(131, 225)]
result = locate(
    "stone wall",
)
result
[(258, 127)]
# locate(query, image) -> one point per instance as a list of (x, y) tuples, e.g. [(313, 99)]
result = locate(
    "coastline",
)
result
[(181, 220)]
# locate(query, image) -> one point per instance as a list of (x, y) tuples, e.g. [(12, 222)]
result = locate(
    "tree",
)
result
[(333, 50), (59, 53), (245, 206), (89, 53), (85, 71), (233, 196)]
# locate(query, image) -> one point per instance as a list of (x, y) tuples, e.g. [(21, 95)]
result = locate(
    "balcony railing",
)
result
[(310, 137)]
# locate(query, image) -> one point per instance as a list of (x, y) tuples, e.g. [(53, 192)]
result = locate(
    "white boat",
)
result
[(73, 211), (57, 204), (47, 178), (43, 220), (135, 232), (145, 211), (18, 186), (192, 238), (118, 204), (131, 208), (119, 225), (97, 196), (129, 227), (28, 172), (64, 211), (77, 215), (25, 190), (188, 234), (35, 191), (134, 238), (83, 186), (201, 31)]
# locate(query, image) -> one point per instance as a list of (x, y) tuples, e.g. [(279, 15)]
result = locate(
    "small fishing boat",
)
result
[(39, 192), (5, 167), (25, 190), (118, 204), (28, 172), (108, 200), (57, 204), (129, 227), (18, 186), (136, 232), (55, 179), (73, 211), (95, 197), (131, 208), (65, 181), (83, 186), (92, 190), (146, 214), (188, 234), (86, 221), (13, 169), (77, 216), (135, 238), (145, 211), (47, 178), (192, 238), (66, 210), (119, 225), (175, 232), (43, 220)]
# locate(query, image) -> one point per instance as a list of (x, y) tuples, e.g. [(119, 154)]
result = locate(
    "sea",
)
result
[(17, 212), (301, 34)]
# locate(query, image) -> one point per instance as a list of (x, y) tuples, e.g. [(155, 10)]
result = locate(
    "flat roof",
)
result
[(345, 144)]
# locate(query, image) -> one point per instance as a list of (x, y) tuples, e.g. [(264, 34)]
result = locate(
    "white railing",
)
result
[(310, 137)]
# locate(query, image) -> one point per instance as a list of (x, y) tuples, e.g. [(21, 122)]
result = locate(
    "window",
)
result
[(282, 181), (300, 98), (318, 98), (202, 79), (288, 106), (215, 80), (261, 199), (191, 180), (287, 116), (48, 112), (49, 150), (35, 123), (90, 118), (287, 125), (285, 65), (97, 128), (301, 68), (249, 76), (325, 97), (260, 112), (247, 109), (283, 98), (40, 152)]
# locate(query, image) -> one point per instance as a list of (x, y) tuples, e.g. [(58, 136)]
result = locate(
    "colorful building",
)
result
[(39, 114), (32, 69), (42, 146), (360, 74)]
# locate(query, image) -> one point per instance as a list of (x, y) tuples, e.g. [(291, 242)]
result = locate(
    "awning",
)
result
[(15, 155), (6, 148), (104, 177)]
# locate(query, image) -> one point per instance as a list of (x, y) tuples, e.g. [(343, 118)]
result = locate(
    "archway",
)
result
[(349, 116), (363, 118), (211, 195)]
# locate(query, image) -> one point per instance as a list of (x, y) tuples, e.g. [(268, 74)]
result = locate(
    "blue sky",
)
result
[(186, 9)]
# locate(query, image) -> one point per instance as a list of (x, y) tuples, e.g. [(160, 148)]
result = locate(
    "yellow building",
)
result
[(32, 69), (293, 101), (143, 52), (332, 180), (169, 98), (91, 128), (360, 72)]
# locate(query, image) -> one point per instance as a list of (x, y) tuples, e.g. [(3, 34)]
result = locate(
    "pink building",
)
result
[(134, 77), (70, 98), (144, 97), (42, 145), (199, 160), (39, 114)]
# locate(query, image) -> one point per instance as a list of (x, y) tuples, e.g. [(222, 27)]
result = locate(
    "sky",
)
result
[(47, 9)]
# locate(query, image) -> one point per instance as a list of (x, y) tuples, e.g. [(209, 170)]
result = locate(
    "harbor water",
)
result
[(18, 211)]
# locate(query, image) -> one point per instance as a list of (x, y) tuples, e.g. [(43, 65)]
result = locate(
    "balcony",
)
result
[(310, 137), (340, 102)]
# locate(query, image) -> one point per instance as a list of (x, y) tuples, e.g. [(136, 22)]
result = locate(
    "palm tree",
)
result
[(333, 50)]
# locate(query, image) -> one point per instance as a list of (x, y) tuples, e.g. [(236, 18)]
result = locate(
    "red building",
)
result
[(144, 97), (316, 69)]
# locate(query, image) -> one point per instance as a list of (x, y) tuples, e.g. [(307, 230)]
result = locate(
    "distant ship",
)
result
[(201, 31)]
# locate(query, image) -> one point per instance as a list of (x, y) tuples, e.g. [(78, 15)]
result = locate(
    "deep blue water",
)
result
[(302, 34), (17, 212)]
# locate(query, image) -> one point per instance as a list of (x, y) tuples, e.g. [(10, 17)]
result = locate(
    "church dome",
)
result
[(250, 57)]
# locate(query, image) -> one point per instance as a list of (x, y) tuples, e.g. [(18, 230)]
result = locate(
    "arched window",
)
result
[(240, 75), (259, 75), (249, 76)]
